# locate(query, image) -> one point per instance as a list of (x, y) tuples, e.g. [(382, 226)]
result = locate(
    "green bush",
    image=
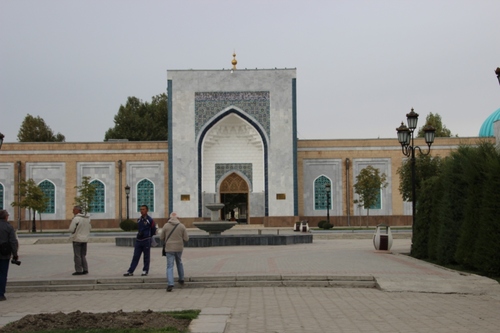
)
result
[(327, 226), (321, 223), (128, 225)]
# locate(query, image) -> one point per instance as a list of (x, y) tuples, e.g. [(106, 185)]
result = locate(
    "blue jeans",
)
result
[(171, 256), (140, 248), (4, 270)]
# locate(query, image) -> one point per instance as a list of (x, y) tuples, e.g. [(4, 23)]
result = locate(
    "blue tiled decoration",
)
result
[(320, 193), (146, 195), (223, 168), (98, 205), (255, 103), (49, 190)]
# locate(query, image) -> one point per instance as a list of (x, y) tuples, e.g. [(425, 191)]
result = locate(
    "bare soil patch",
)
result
[(86, 320)]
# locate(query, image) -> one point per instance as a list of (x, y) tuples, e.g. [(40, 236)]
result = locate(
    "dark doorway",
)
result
[(235, 207)]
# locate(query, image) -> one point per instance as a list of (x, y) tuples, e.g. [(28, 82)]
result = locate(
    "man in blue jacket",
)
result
[(146, 230)]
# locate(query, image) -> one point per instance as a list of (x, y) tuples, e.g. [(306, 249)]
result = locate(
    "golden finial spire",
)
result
[(234, 62)]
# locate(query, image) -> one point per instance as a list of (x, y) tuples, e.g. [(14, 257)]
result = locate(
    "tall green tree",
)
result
[(426, 166), (369, 182), (86, 195), (436, 122), (141, 121), (33, 199), (34, 129)]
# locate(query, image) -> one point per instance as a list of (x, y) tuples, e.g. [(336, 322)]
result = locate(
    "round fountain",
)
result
[(215, 226)]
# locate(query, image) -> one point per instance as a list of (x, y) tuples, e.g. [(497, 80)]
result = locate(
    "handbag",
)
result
[(163, 252)]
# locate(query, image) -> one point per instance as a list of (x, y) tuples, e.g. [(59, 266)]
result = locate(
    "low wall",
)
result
[(231, 240), (268, 222)]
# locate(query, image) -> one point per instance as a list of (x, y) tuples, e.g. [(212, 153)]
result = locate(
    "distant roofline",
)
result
[(230, 69)]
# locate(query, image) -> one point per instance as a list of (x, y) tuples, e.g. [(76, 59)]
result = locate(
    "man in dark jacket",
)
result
[(146, 230), (9, 246)]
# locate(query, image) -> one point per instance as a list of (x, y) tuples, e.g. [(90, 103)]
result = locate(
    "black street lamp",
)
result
[(1, 140), (406, 139), (127, 192), (328, 188)]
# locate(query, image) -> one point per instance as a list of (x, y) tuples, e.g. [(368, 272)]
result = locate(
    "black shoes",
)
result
[(128, 274), (2, 298), (85, 272), (181, 282), (169, 288), (78, 273)]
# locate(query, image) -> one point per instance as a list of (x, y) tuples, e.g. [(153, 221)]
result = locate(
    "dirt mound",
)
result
[(77, 319)]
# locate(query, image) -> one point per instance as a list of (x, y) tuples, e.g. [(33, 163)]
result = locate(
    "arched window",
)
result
[(146, 195), (49, 190), (1, 196), (378, 203), (320, 194), (99, 203)]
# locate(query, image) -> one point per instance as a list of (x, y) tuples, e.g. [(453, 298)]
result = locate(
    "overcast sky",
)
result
[(361, 65)]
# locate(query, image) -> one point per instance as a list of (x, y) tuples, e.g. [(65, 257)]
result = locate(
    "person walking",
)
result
[(146, 231), (8, 249), (80, 230), (173, 235)]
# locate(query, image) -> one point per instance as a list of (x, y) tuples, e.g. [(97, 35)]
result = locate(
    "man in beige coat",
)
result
[(80, 229), (173, 235)]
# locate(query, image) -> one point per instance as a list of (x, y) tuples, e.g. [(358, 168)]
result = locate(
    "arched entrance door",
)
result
[(234, 196)]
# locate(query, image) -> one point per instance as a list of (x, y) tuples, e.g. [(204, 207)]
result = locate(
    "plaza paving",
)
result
[(413, 296)]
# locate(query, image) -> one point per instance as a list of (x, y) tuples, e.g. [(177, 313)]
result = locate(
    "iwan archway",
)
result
[(233, 159)]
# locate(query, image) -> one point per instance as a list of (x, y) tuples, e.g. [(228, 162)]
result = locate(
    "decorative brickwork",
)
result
[(223, 168), (234, 184), (254, 103)]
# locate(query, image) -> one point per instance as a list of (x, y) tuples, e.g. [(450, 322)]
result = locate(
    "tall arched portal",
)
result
[(233, 160), (224, 121), (234, 195)]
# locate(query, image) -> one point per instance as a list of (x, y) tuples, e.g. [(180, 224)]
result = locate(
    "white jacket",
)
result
[(80, 228)]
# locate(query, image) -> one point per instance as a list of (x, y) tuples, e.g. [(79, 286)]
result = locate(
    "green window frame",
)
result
[(99, 202), (320, 196), (49, 190), (146, 195)]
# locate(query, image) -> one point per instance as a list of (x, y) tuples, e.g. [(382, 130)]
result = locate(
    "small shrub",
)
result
[(327, 226), (321, 223), (128, 225)]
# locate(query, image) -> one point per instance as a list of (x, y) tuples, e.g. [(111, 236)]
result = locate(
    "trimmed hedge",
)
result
[(128, 225)]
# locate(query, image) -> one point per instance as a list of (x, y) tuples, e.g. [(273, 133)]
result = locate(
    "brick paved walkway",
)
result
[(415, 296)]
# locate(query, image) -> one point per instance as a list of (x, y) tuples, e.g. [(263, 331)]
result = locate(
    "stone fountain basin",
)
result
[(215, 206), (215, 227)]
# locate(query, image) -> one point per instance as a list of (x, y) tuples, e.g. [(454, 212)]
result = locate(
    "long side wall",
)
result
[(327, 156), (74, 161)]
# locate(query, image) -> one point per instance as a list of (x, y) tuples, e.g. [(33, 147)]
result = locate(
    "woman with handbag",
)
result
[(173, 235)]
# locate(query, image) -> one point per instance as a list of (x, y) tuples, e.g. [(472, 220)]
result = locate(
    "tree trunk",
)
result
[(33, 224)]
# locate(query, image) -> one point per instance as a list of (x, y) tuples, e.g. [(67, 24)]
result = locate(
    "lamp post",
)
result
[(328, 188), (1, 140), (406, 139), (127, 192), (497, 72)]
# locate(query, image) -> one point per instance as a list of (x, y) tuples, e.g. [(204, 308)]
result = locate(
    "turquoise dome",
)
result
[(487, 127)]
